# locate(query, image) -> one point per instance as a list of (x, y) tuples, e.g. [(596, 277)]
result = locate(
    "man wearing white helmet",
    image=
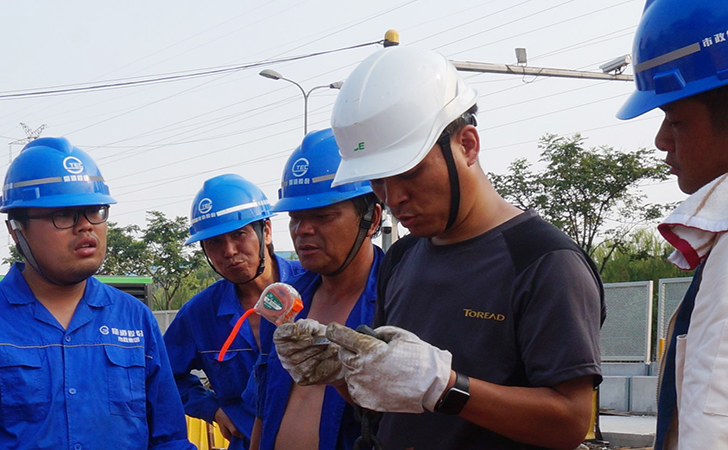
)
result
[(680, 59), (489, 317), (82, 364)]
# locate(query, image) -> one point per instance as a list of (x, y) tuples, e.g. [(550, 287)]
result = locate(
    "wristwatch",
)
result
[(456, 397)]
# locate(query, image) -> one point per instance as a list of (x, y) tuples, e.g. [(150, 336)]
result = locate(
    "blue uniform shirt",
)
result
[(194, 339), (338, 428), (105, 382)]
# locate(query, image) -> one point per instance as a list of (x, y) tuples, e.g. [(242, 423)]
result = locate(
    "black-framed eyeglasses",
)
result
[(68, 218)]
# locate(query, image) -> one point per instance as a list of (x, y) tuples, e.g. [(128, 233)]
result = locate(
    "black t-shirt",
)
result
[(520, 305)]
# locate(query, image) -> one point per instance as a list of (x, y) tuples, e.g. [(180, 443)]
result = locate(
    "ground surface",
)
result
[(592, 446)]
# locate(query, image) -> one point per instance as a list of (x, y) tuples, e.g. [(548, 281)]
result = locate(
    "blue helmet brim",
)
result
[(317, 200), (223, 228), (640, 102)]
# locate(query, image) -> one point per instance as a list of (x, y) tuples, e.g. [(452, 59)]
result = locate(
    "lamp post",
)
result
[(273, 75)]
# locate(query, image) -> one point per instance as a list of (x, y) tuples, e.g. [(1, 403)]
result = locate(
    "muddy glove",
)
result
[(398, 372), (307, 361)]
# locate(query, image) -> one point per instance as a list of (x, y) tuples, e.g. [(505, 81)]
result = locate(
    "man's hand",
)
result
[(396, 373), (308, 362), (227, 427)]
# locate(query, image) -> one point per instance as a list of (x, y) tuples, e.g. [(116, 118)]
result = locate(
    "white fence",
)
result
[(164, 318), (626, 333)]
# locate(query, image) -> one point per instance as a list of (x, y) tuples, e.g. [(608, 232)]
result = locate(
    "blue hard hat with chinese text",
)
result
[(226, 203), (309, 172), (680, 49), (51, 173)]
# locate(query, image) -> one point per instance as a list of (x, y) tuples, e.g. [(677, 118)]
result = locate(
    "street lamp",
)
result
[(273, 75)]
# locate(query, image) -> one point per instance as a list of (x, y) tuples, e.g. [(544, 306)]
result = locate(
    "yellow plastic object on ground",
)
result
[(201, 433)]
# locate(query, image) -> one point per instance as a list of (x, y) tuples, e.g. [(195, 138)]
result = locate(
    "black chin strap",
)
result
[(258, 227), (452, 171), (25, 251), (364, 224), (444, 141)]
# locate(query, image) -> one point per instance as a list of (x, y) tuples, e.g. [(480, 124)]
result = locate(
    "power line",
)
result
[(169, 78), (533, 30)]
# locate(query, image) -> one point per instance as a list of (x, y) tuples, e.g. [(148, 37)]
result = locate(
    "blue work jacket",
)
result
[(194, 339), (104, 382), (338, 428)]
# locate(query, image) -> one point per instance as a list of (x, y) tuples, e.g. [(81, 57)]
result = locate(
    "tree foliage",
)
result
[(158, 251), (13, 257), (589, 193), (170, 261), (125, 254), (641, 256)]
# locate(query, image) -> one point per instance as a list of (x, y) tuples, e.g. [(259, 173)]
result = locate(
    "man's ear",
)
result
[(469, 139), (376, 220), (267, 232)]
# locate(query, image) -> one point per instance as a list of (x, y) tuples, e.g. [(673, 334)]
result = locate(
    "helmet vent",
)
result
[(669, 81)]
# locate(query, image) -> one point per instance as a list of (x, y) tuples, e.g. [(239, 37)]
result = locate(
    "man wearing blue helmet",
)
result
[(680, 59), (230, 218), (331, 229), (82, 365)]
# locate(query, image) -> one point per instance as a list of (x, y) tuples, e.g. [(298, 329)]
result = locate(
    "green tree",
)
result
[(641, 256), (13, 257), (126, 254), (170, 261), (589, 193), (158, 251), (198, 280)]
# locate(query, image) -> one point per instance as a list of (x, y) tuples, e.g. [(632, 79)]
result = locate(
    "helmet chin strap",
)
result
[(364, 224), (258, 226), (444, 142), (452, 171), (25, 251)]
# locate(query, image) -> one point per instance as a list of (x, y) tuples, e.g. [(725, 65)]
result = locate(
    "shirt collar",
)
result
[(229, 304), (15, 288)]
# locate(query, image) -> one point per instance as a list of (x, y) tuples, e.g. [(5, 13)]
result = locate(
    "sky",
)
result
[(210, 113)]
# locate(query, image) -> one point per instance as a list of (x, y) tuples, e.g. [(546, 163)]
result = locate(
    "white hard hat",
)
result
[(392, 109)]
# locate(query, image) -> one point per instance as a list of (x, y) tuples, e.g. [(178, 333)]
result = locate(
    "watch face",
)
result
[(456, 397)]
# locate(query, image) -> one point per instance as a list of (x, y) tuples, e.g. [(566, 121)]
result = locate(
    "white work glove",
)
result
[(398, 372), (308, 362)]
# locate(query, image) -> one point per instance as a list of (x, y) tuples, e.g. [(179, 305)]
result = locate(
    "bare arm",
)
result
[(227, 427), (255, 435), (343, 390), (556, 417)]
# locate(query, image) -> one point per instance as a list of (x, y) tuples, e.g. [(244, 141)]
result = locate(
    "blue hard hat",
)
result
[(680, 49), (52, 173), (308, 174), (226, 203)]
